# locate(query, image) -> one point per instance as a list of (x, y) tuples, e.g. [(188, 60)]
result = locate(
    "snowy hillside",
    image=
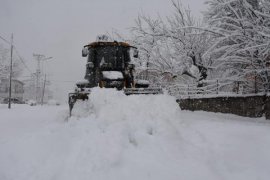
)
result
[(114, 136)]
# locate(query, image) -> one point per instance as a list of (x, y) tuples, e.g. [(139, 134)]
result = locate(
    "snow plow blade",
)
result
[(73, 97), (137, 91)]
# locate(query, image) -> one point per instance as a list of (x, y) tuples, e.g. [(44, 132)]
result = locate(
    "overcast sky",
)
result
[(60, 28)]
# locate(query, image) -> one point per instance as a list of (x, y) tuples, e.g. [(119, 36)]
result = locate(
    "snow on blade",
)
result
[(112, 75), (141, 81)]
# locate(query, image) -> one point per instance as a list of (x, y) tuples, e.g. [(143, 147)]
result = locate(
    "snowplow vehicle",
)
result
[(109, 66)]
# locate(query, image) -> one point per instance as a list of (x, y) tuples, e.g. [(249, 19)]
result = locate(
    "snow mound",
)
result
[(123, 132), (111, 105), (113, 136)]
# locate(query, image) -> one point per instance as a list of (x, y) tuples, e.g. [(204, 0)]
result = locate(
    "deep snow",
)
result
[(114, 136)]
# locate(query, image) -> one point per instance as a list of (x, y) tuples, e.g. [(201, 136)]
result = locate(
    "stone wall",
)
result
[(250, 106)]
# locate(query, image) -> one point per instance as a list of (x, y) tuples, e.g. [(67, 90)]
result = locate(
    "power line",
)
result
[(5, 40), (22, 60), (28, 69), (18, 54)]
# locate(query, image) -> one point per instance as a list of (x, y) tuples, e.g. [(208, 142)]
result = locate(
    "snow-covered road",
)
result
[(130, 137)]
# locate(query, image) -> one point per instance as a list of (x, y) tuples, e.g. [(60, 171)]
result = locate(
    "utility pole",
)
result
[(43, 90), (10, 73), (38, 72), (39, 58)]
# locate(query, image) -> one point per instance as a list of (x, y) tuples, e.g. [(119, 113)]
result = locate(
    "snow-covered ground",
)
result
[(114, 136)]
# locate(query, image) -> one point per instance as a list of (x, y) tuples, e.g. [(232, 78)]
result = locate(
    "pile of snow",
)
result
[(110, 104), (113, 136), (53, 102), (31, 102)]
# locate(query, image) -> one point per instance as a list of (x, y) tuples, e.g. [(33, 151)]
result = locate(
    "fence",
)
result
[(215, 88)]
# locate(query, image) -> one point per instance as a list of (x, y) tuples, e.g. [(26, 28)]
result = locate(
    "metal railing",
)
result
[(214, 88)]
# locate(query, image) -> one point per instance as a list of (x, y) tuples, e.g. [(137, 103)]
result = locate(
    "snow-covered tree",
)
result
[(172, 47), (143, 37), (242, 37)]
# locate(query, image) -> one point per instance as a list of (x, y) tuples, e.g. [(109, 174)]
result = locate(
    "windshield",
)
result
[(113, 57)]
